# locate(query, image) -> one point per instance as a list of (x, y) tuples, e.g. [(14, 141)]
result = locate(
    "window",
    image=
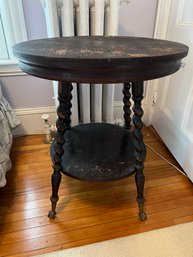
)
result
[(3, 46), (12, 31)]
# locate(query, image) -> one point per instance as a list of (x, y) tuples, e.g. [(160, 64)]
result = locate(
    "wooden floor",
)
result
[(87, 212)]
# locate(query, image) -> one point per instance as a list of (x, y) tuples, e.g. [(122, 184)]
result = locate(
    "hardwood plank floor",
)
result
[(87, 212)]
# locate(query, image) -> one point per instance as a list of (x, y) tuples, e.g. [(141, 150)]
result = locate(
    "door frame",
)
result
[(160, 32)]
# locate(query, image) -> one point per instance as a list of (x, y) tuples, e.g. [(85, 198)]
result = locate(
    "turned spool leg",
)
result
[(137, 92), (62, 124)]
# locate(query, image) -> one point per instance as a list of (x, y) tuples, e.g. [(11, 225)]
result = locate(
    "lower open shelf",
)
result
[(98, 152)]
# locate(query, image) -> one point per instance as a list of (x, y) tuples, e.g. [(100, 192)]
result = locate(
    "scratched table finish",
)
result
[(99, 151)]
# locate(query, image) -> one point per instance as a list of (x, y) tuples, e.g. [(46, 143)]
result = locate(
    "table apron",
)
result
[(98, 75)]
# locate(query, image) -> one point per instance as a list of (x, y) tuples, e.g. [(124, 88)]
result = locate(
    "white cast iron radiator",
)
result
[(94, 103)]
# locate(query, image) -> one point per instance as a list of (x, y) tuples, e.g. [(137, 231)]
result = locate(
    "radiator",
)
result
[(90, 103)]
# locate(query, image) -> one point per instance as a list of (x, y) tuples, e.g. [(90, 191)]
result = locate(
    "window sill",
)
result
[(10, 68)]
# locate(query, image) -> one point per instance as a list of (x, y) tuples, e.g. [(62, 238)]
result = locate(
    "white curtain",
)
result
[(8, 121)]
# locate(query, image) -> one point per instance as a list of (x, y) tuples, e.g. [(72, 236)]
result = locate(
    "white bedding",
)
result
[(8, 121)]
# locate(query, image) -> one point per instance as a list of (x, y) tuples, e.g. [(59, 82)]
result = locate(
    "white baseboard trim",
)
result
[(31, 121), (118, 111)]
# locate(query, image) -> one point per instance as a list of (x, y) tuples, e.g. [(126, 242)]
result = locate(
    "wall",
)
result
[(137, 18), (27, 92), (34, 18)]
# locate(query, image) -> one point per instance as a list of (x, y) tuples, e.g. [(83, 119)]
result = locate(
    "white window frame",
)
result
[(13, 22)]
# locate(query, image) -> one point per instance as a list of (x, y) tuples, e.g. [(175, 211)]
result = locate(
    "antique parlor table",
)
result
[(99, 151)]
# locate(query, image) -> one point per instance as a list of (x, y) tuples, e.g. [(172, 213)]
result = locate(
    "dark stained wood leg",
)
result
[(127, 104), (56, 179), (63, 124), (137, 92)]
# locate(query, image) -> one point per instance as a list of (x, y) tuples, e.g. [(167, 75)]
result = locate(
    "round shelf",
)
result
[(98, 152)]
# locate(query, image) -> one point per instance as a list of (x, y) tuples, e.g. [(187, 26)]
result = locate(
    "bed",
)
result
[(8, 121)]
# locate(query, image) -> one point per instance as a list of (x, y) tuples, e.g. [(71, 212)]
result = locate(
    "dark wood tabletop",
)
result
[(100, 59)]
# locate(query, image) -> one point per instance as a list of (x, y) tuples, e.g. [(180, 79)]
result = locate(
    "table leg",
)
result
[(127, 104), (63, 124), (137, 92)]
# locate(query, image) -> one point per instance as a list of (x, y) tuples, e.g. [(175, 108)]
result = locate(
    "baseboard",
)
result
[(31, 121), (118, 111)]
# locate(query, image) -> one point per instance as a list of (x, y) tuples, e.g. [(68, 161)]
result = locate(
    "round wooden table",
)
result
[(99, 151)]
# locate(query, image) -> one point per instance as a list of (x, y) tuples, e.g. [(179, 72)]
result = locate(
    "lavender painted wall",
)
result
[(35, 19), (136, 19), (27, 91)]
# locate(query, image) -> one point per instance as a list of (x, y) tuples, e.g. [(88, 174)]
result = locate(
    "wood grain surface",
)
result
[(99, 59)]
